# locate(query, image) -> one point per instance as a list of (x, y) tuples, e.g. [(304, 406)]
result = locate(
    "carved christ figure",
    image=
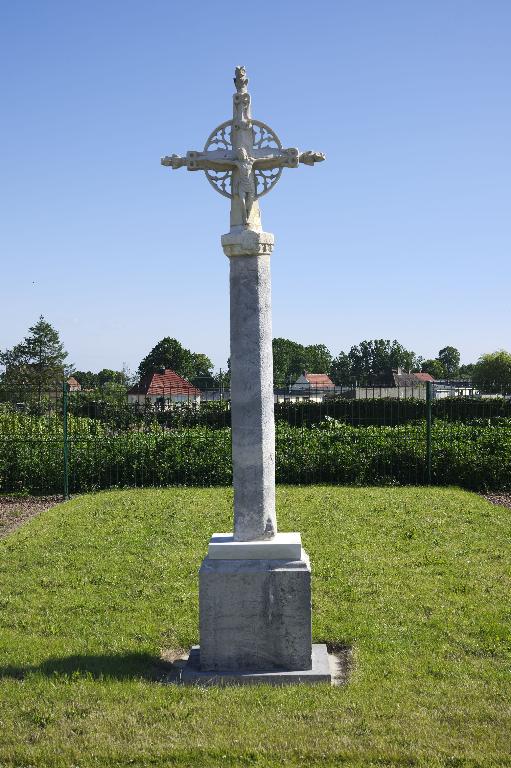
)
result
[(243, 182)]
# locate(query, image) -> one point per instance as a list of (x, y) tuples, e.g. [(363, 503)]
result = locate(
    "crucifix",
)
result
[(269, 627), (243, 159)]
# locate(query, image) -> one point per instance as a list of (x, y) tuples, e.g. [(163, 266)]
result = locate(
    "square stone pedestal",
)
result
[(255, 613)]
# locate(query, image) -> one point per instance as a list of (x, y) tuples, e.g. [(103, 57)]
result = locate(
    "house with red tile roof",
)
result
[(312, 386), (163, 388), (424, 377)]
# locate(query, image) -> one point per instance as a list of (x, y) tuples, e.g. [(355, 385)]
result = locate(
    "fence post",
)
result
[(429, 397), (65, 390)]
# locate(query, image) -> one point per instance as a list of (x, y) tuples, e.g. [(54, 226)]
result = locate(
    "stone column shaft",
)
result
[(253, 426)]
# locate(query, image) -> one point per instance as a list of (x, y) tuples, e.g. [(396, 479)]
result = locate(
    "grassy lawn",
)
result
[(416, 580)]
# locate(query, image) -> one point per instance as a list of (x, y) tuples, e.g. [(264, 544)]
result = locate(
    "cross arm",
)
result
[(216, 160), (284, 158), (266, 159)]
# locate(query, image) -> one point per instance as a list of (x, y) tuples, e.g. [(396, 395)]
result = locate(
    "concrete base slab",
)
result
[(320, 672), (283, 546)]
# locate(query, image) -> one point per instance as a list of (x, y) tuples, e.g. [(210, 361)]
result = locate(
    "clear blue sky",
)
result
[(404, 232)]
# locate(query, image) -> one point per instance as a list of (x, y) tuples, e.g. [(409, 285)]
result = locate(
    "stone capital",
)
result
[(247, 243)]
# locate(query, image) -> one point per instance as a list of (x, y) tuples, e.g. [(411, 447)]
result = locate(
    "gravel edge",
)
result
[(17, 510), (502, 498)]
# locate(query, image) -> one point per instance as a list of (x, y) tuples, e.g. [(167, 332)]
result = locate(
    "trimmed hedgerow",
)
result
[(475, 455), (381, 411), (373, 411)]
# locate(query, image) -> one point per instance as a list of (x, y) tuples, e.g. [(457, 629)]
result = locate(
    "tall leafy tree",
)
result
[(287, 356), (109, 376), (340, 370), (39, 360), (170, 353), (318, 358), (87, 379), (434, 367), (290, 359), (371, 358), (449, 357), (492, 372), (202, 371), (466, 371), (90, 380)]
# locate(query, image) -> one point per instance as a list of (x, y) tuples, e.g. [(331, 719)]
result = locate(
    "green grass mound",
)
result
[(416, 581)]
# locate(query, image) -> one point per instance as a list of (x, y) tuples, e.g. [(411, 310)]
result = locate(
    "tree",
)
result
[(492, 372), (39, 360), (466, 371), (287, 355), (290, 359), (106, 376), (86, 379), (169, 353), (202, 376), (318, 359), (450, 360), (109, 376), (434, 368), (340, 370), (369, 359)]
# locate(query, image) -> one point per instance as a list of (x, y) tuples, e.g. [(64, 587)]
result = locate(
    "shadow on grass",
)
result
[(122, 666), (144, 666)]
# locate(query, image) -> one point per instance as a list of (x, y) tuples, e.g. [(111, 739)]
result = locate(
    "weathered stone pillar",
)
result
[(253, 427)]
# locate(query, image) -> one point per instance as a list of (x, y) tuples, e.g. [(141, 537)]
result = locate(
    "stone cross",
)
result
[(243, 159), (255, 608)]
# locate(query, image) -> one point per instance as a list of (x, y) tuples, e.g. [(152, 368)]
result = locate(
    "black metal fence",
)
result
[(61, 441)]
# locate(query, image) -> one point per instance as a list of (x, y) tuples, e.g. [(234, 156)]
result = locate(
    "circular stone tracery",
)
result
[(263, 138)]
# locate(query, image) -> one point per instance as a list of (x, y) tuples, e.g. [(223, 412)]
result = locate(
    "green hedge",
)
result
[(476, 455), (113, 409), (377, 411), (216, 415)]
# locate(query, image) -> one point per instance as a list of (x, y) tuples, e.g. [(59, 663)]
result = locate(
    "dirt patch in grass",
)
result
[(16, 510), (342, 662), (504, 499)]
